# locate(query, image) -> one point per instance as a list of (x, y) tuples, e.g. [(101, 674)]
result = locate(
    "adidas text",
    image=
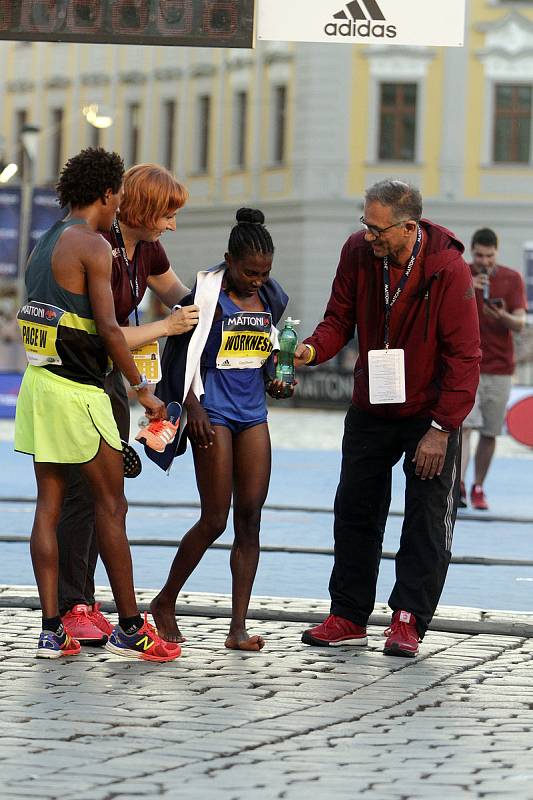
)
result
[(363, 30)]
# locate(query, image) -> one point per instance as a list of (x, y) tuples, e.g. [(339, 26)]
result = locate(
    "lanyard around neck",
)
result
[(401, 286), (130, 269)]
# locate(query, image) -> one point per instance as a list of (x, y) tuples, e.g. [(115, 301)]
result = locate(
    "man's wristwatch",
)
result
[(142, 385), (438, 427)]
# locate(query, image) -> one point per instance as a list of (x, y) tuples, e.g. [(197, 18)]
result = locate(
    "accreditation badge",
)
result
[(38, 323), (148, 362), (386, 376), (246, 342)]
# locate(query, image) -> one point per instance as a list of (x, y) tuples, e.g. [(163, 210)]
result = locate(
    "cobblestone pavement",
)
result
[(286, 723)]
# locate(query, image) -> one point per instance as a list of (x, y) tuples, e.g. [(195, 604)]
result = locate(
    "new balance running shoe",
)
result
[(79, 623), (334, 632), (158, 434), (145, 644), (53, 646)]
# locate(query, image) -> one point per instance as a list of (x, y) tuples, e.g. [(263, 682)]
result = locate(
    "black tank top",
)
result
[(57, 326)]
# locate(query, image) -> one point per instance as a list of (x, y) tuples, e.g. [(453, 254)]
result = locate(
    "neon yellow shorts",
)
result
[(60, 421)]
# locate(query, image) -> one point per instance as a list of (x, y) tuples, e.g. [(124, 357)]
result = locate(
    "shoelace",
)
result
[(96, 611), (96, 616), (156, 426), (332, 623), (149, 628), (80, 616), (403, 628)]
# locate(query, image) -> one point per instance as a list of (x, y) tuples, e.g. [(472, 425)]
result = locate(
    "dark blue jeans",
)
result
[(371, 446)]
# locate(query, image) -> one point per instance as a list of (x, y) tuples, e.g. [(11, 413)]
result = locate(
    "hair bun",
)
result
[(250, 216)]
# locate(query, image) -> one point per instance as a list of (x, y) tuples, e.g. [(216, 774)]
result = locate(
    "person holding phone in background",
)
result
[(502, 305)]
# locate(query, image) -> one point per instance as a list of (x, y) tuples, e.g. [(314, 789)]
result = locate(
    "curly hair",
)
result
[(150, 192), (85, 178)]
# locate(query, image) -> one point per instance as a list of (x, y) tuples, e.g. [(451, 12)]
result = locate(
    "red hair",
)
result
[(150, 192)]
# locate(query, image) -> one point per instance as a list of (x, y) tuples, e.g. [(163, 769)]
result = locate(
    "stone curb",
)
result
[(447, 619)]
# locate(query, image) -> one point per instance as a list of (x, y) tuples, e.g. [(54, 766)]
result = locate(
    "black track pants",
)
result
[(76, 536), (371, 447)]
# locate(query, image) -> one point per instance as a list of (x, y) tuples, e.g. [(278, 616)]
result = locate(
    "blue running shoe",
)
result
[(145, 644), (53, 646)]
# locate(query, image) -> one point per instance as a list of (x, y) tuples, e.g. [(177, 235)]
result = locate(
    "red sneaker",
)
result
[(98, 619), (335, 631), (402, 636), (478, 499), (80, 626), (462, 496)]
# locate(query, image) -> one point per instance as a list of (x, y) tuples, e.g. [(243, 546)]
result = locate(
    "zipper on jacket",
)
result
[(427, 297)]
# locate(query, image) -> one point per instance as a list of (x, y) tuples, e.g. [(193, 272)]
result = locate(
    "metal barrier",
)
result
[(469, 560), (463, 516)]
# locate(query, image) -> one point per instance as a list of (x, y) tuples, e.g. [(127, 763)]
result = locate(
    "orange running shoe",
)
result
[(158, 434)]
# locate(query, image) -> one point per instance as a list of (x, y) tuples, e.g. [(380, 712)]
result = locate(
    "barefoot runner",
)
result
[(228, 425), (63, 415)]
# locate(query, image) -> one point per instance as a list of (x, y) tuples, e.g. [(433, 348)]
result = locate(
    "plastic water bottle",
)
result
[(287, 345)]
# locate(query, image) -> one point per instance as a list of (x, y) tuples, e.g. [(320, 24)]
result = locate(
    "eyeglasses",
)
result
[(377, 232)]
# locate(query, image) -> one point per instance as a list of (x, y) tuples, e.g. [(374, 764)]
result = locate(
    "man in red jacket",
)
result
[(403, 284)]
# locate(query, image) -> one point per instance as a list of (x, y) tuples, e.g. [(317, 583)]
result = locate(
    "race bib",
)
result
[(246, 340), (38, 323), (148, 362)]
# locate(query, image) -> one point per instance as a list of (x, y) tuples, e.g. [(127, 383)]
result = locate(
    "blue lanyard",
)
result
[(401, 286)]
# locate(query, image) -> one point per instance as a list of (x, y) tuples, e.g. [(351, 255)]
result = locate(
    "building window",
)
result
[(279, 140), (133, 122), (240, 129), (397, 121), (512, 123), (169, 132), (204, 121), (21, 119), (56, 149)]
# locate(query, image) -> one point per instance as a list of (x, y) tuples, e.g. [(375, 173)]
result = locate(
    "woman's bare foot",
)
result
[(240, 640), (165, 622)]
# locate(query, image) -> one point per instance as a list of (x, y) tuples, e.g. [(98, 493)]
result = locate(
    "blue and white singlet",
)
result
[(238, 345)]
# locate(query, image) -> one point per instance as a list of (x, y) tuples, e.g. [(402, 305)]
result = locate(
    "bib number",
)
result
[(39, 323), (246, 342), (148, 362)]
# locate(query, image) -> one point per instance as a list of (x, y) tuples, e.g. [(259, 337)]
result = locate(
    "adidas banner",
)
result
[(404, 22)]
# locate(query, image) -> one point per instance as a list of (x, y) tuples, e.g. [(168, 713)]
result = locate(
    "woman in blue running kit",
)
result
[(228, 425)]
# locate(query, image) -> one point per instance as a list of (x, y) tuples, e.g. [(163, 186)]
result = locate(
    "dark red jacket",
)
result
[(438, 328)]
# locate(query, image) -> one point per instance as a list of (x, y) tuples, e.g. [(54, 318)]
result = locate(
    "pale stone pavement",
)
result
[(288, 723)]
